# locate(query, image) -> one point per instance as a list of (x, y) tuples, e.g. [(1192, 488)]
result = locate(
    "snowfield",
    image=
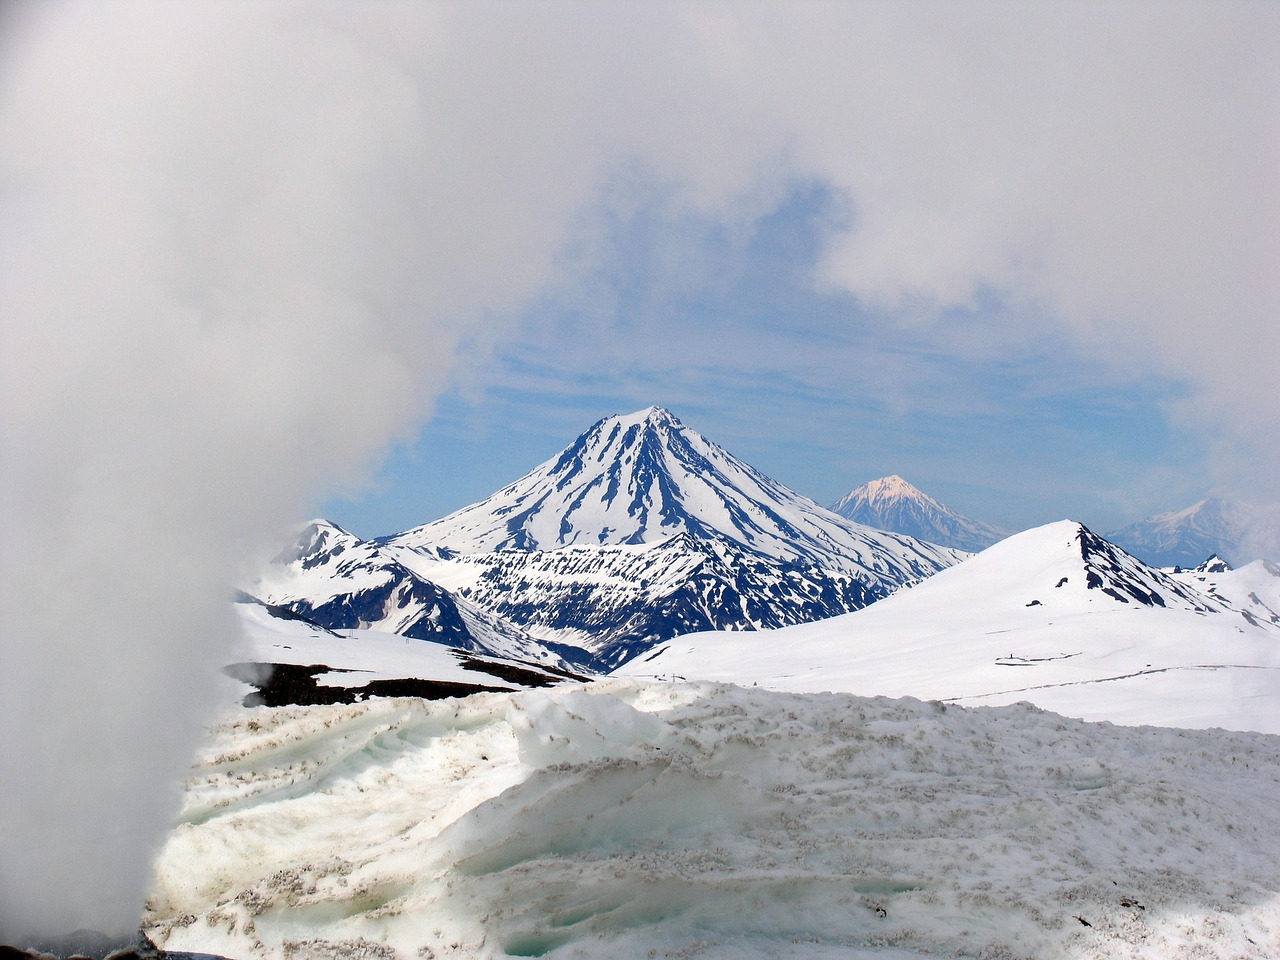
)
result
[(632, 818), (714, 818), (1055, 616)]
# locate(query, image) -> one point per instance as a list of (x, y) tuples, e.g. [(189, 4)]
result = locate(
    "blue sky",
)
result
[(736, 336), (1025, 261)]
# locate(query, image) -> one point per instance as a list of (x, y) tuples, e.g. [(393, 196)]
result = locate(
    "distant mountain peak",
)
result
[(645, 477), (1212, 564), (891, 503), (1236, 531), (887, 490)]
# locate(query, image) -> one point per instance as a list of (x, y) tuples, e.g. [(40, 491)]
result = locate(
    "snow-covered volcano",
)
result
[(1237, 531), (891, 503), (638, 531), (1055, 615), (646, 477), (643, 529)]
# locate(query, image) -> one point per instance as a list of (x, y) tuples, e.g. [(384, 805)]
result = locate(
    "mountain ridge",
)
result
[(1056, 615), (333, 579), (639, 530)]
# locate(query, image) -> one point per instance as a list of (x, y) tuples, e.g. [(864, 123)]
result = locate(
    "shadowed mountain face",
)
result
[(365, 588), (335, 580), (891, 503), (640, 530), (617, 601), (1123, 577)]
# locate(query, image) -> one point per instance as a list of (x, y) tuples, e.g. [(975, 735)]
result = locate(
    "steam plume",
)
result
[(231, 274), (240, 244)]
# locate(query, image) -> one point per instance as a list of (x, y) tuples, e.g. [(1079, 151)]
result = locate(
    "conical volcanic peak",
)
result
[(892, 503), (646, 477), (886, 490)]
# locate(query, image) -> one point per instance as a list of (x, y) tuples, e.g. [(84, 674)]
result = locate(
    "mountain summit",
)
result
[(1056, 615), (891, 503), (645, 477), (638, 531)]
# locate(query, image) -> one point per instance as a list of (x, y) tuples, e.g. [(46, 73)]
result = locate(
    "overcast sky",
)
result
[(1023, 254)]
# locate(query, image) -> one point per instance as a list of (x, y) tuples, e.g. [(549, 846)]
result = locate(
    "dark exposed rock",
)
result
[(291, 684), (92, 945)]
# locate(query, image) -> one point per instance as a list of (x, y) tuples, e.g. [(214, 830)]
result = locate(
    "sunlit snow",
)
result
[(1021, 621), (646, 477), (634, 819), (641, 817)]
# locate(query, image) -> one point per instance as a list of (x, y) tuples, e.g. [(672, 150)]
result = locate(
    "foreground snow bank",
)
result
[(628, 819)]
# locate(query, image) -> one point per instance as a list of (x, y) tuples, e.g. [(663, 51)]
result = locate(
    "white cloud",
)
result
[(241, 243), (1108, 170), (1111, 168)]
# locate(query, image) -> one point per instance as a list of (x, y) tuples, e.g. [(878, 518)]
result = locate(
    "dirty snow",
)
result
[(640, 819)]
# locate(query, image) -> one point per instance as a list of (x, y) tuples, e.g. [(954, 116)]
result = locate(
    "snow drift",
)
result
[(643, 819)]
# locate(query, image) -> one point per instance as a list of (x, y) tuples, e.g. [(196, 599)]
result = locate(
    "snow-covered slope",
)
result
[(891, 503), (638, 820), (284, 659), (1237, 531), (1253, 590), (616, 601), (1054, 615), (638, 531), (646, 477), (335, 579)]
